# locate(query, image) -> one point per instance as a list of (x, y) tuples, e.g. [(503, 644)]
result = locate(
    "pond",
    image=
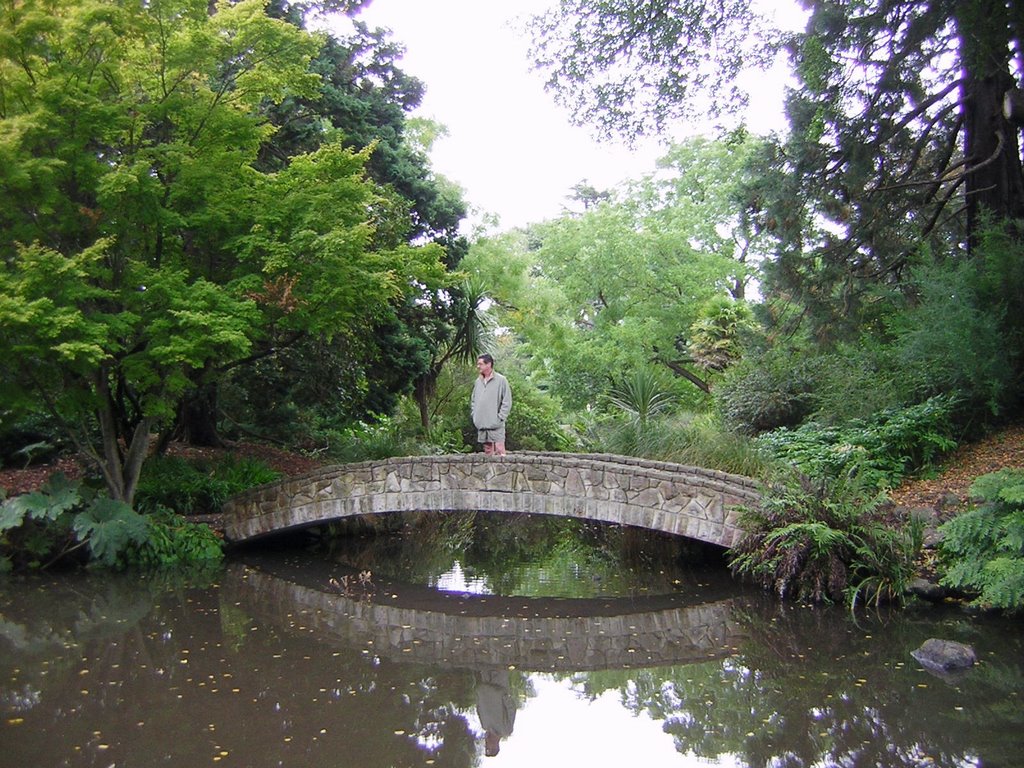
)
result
[(435, 640)]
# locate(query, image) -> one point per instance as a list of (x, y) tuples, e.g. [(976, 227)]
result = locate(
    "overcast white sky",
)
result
[(509, 147)]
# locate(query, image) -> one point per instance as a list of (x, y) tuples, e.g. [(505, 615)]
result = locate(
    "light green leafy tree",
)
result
[(141, 248), (633, 280)]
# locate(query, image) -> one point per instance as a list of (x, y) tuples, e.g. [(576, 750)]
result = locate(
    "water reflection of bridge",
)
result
[(478, 632)]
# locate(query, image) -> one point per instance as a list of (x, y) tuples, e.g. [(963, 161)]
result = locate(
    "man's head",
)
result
[(484, 365)]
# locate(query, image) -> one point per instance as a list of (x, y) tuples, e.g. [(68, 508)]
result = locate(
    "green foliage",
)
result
[(825, 542), (533, 424), (110, 527), (683, 438), (171, 540), (47, 525), (57, 496), (679, 63), (641, 396), (884, 561), (27, 438), (943, 334), (715, 336), (880, 451), (952, 339), (197, 486), (382, 438), (767, 391), (652, 276), (984, 547), (145, 249), (64, 517)]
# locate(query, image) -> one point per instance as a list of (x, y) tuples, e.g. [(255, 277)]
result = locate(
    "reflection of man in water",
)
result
[(496, 708)]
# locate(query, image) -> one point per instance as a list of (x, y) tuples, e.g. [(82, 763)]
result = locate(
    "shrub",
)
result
[(171, 540), (366, 441), (196, 487), (825, 542), (953, 339), (767, 391), (983, 548), (64, 517), (642, 396), (880, 451)]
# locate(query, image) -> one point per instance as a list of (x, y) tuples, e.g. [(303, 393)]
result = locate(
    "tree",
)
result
[(632, 68), (899, 136), (460, 325), (364, 98), (610, 291), (142, 247)]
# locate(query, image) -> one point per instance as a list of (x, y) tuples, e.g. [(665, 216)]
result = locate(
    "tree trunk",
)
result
[(994, 182), (197, 417), (122, 456), (423, 391)]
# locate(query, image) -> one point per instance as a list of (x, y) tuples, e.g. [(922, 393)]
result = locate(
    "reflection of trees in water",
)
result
[(812, 687), (520, 554), (148, 668), (806, 686)]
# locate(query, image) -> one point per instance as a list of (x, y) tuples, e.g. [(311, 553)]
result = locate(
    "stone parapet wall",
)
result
[(677, 499)]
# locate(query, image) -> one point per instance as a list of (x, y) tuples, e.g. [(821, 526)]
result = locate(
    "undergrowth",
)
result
[(825, 542), (67, 521), (983, 548)]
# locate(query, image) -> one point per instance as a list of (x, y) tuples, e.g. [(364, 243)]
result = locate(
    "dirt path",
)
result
[(1004, 448)]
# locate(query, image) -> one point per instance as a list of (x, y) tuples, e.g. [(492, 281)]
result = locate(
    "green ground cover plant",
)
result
[(826, 542), (197, 486), (881, 451), (65, 519), (983, 548), (71, 521)]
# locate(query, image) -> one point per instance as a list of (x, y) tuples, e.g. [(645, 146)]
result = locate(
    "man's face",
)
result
[(483, 367)]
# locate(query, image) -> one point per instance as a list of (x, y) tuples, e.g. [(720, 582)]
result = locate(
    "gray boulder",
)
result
[(945, 656)]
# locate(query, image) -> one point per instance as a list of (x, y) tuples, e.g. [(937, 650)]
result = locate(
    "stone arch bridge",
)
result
[(681, 500)]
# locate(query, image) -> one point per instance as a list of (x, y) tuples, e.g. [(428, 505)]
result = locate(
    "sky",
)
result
[(511, 149)]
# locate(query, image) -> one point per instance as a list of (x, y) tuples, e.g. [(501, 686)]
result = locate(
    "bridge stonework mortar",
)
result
[(677, 499)]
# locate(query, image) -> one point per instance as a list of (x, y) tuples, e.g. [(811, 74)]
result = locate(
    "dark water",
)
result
[(575, 645)]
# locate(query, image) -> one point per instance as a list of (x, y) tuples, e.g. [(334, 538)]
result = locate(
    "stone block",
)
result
[(648, 497)]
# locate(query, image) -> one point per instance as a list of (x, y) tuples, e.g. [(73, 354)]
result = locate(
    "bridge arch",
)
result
[(682, 500)]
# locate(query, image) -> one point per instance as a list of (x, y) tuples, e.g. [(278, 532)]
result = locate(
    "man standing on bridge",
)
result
[(489, 406)]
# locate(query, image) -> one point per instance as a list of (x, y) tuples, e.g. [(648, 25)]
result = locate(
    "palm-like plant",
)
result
[(642, 395), (467, 324)]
